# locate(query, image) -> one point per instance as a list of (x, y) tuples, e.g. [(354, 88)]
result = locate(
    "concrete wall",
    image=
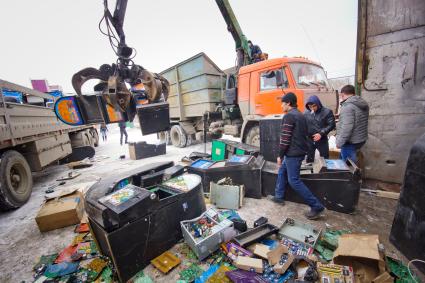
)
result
[(390, 74)]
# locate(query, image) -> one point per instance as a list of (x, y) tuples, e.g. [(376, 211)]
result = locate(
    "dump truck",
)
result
[(203, 98), (234, 104), (31, 137)]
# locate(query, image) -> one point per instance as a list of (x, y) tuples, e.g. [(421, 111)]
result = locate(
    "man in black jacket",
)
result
[(255, 52), (293, 148), (320, 122)]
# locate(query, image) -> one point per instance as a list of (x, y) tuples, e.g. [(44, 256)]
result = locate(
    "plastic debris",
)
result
[(44, 261), (140, 277), (207, 274), (328, 243), (220, 275), (61, 269), (191, 273), (400, 271)]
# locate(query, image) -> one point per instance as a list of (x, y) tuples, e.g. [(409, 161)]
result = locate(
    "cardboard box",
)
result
[(274, 255), (261, 250), (249, 263), (60, 212), (334, 273), (274, 258), (361, 252), (384, 278)]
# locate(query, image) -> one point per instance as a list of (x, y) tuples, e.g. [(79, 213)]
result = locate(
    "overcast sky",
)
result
[(53, 39)]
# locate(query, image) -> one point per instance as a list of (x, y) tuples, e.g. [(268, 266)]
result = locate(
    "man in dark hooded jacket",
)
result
[(320, 122)]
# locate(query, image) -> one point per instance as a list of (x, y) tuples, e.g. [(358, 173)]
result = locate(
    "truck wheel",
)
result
[(89, 140), (178, 136), (15, 180), (253, 136), (164, 137), (190, 139), (95, 137)]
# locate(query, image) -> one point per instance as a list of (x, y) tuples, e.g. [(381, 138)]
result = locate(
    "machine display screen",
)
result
[(202, 164), (121, 184), (239, 158)]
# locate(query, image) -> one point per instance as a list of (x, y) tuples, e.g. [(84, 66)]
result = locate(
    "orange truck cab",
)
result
[(260, 87)]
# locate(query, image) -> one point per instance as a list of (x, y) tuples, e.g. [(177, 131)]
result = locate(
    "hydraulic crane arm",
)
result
[(241, 41), (114, 102), (117, 20)]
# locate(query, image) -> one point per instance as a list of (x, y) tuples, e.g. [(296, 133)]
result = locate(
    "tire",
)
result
[(164, 137), (88, 141), (15, 180), (178, 136), (95, 137), (253, 136), (190, 139)]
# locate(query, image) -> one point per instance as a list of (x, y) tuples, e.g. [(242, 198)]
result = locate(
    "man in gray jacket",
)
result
[(352, 126)]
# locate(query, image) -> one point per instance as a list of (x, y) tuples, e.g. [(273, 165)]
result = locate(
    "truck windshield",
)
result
[(308, 75)]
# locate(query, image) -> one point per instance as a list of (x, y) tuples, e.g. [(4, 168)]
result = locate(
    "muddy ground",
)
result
[(21, 243)]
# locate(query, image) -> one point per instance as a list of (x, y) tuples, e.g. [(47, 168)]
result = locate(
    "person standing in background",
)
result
[(123, 131), (103, 130)]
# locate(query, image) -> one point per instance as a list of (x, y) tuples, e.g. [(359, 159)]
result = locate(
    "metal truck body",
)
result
[(235, 103), (31, 137)]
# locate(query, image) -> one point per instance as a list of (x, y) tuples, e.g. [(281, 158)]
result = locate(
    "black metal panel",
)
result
[(163, 175), (408, 230), (154, 118), (97, 211), (139, 230), (338, 191), (248, 175), (91, 107), (270, 129), (128, 247), (145, 150)]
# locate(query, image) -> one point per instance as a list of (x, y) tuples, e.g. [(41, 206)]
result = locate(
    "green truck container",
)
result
[(196, 87)]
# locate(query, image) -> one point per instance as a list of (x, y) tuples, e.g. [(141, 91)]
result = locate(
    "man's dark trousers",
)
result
[(289, 172), (322, 146)]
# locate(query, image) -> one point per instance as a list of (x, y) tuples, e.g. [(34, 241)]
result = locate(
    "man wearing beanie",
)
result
[(293, 148)]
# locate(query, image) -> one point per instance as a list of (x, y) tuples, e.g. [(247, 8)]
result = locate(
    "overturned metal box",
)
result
[(203, 247), (226, 196), (139, 150)]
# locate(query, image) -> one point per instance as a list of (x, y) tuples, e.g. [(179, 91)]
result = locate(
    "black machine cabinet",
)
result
[(134, 230), (408, 230), (338, 190), (154, 117), (247, 173), (270, 128)]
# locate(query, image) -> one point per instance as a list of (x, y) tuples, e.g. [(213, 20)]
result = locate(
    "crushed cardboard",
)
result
[(62, 211), (249, 264), (361, 252), (261, 250)]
